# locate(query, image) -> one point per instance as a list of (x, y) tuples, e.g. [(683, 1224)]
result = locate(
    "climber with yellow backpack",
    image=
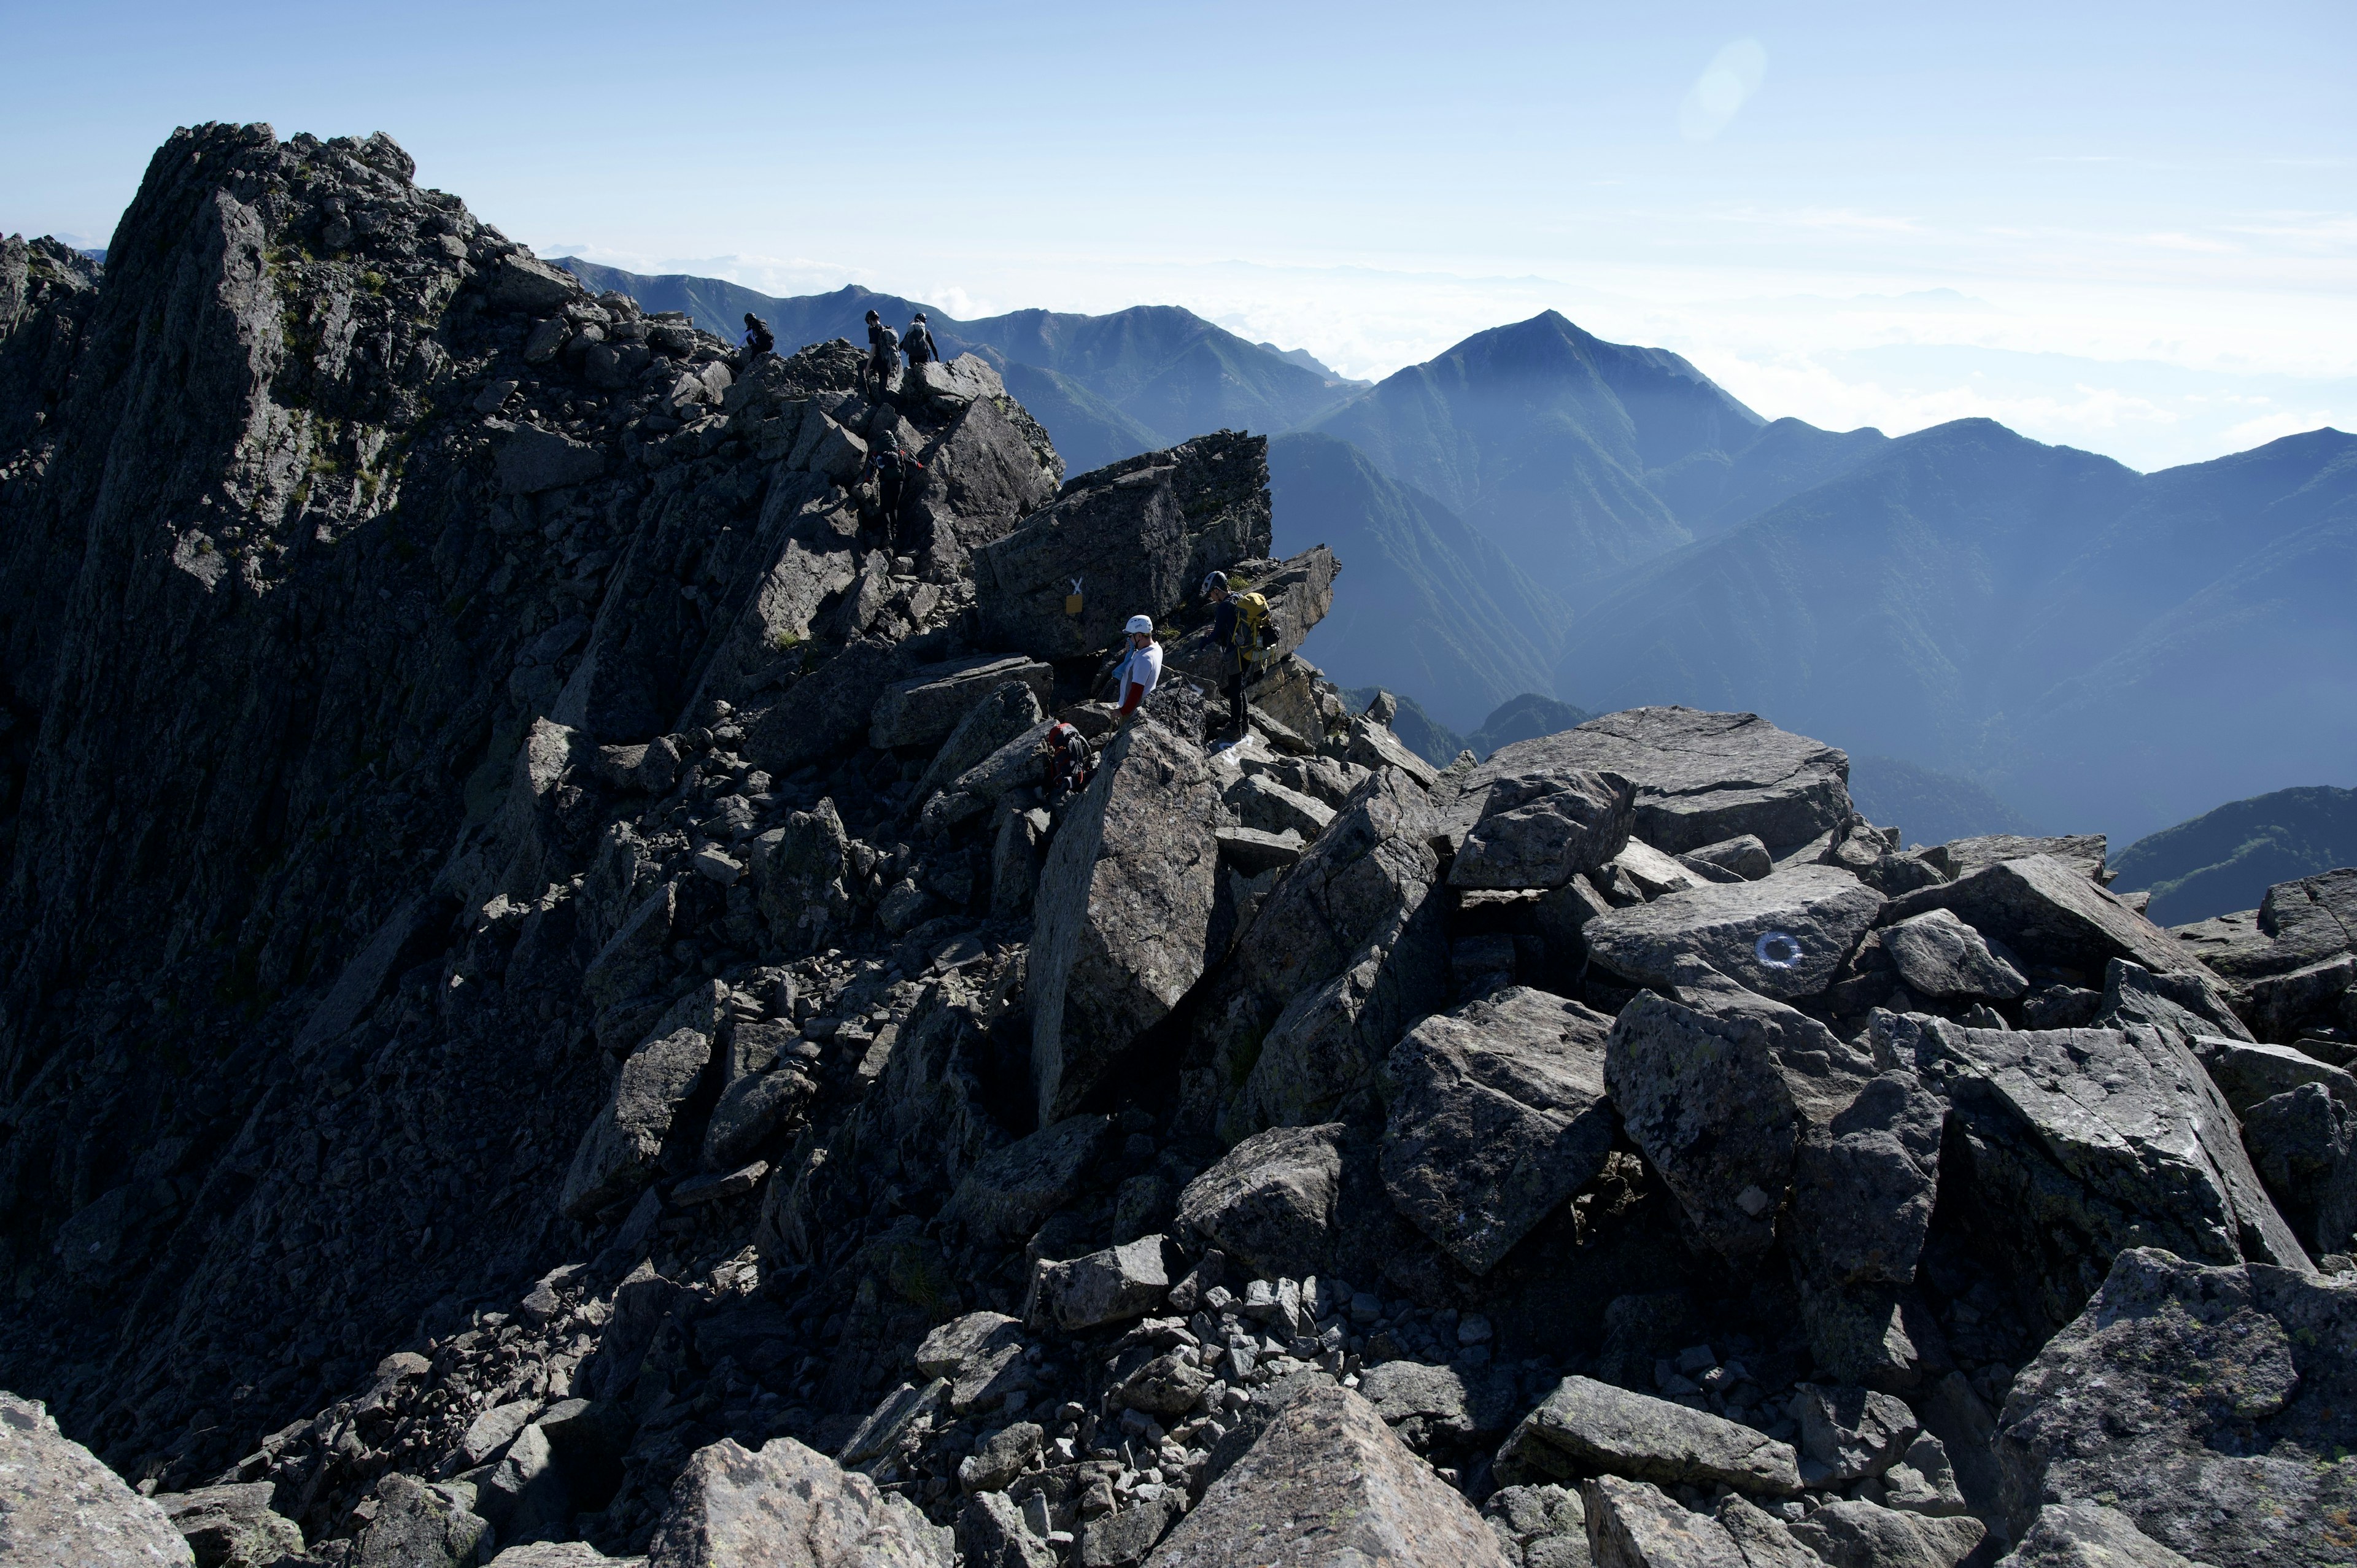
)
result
[(1242, 629)]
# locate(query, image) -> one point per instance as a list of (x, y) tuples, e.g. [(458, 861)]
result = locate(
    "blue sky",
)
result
[(2130, 228)]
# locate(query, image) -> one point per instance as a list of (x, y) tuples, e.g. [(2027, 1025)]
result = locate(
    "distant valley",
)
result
[(2056, 639)]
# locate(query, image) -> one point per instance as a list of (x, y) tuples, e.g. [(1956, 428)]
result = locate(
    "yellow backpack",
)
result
[(1255, 632)]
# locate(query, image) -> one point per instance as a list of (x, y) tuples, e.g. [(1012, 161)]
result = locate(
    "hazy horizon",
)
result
[(2125, 229)]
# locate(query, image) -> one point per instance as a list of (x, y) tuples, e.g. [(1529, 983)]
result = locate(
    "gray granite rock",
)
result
[(1269, 1201), (617, 1153), (419, 1525), (1137, 535), (1107, 1286), (1123, 915), (2303, 1144), (2211, 1405), (1783, 936), (1008, 1193), (2087, 1141), (786, 1507), (987, 721), (931, 701), (991, 1533), (1345, 952), (1743, 855), (1537, 827), (232, 1526), (2089, 1535), (1939, 955), (1328, 1486), (2050, 910), (1853, 1533), (1864, 1183), (1424, 1403), (1716, 1087), (1497, 1116), (981, 1355), (58, 1505), (1586, 1426), (1539, 1527), (1851, 1433), (2083, 853), (1702, 777), (1632, 1524)]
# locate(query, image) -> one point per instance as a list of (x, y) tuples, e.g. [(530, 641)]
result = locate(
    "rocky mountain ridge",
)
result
[(553, 1018)]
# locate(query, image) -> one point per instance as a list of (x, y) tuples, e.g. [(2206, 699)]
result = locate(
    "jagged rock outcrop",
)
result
[(1134, 538), (1123, 917)]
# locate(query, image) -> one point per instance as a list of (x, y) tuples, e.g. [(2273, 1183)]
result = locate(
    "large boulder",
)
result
[(2303, 1144), (1008, 1192), (1585, 1426), (1133, 538), (786, 1507), (617, 1153), (2214, 1406), (2288, 962), (798, 875), (1008, 710), (232, 1526), (1701, 778), (1716, 1086), (1299, 591), (2089, 1535), (1328, 1486), (1497, 1116), (2079, 1143), (827, 709), (1533, 828), (923, 709), (2083, 853), (60, 1504), (1123, 914), (2051, 913), (1270, 1201), (1782, 936), (418, 1525), (1344, 953), (1634, 1524), (1940, 956)]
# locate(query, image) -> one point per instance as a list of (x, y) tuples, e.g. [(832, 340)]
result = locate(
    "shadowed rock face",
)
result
[(1123, 911), (1139, 537)]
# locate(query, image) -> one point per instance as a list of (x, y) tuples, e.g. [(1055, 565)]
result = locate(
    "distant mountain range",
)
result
[(1106, 387), (2227, 859), (1538, 511), (2106, 649)]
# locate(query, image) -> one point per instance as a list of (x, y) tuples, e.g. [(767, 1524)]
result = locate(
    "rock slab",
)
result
[(58, 1505), (1498, 1115), (1123, 914), (1328, 1486)]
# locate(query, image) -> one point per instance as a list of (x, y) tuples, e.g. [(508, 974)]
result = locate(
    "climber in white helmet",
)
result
[(1140, 668)]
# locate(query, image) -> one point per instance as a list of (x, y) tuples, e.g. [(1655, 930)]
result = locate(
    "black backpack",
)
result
[(763, 342)]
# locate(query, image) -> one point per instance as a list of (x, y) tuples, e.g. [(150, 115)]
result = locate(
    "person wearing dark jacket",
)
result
[(917, 342), (891, 468), (758, 340), (1232, 659), (883, 353)]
